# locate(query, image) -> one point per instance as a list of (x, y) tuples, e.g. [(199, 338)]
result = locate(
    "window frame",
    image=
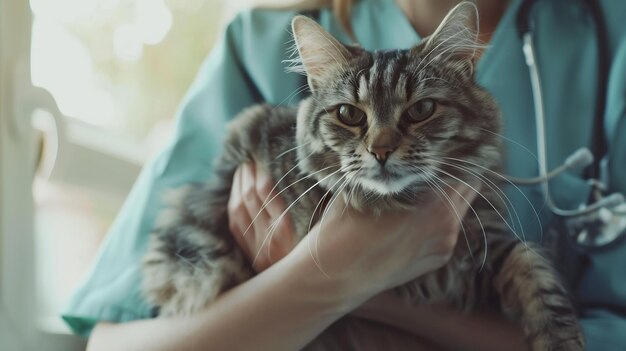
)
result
[(19, 326)]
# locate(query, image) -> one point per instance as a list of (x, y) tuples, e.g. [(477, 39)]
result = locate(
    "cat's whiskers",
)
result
[(498, 192), (318, 207), (294, 149), (322, 201), (315, 256), (523, 239), (311, 223), (511, 141), (332, 200), (439, 179), (439, 191), (276, 221), (267, 202), (506, 180), (479, 193), (329, 191), (292, 95), (349, 198), (523, 148)]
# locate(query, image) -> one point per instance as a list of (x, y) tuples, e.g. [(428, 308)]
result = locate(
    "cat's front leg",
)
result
[(440, 286), (184, 285), (191, 258), (530, 289)]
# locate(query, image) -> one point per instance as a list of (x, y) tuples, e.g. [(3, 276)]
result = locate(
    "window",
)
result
[(88, 91), (116, 70)]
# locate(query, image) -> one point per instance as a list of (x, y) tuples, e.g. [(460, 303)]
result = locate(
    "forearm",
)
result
[(446, 327), (283, 308)]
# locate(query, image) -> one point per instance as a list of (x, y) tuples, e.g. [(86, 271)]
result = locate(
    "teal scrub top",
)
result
[(246, 68)]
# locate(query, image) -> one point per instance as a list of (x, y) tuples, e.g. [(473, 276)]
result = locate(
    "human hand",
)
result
[(251, 214), (368, 254), (365, 253)]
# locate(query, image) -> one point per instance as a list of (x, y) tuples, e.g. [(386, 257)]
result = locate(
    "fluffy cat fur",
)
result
[(421, 122)]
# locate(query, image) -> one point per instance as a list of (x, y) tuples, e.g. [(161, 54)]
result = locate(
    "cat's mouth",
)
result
[(384, 174), (384, 180)]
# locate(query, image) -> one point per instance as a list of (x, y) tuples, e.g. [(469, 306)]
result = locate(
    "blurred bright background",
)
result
[(117, 70), (113, 73)]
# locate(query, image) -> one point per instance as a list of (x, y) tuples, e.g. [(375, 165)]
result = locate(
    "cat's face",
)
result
[(387, 121)]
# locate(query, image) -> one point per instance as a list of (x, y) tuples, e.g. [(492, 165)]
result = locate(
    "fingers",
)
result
[(253, 207), (252, 200), (275, 208), (238, 218), (265, 191)]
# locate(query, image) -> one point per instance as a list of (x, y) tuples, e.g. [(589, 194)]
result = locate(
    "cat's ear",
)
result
[(456, 38), (320, 54)]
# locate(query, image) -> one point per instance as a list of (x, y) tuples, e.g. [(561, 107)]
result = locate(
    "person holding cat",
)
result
[(291, 300)]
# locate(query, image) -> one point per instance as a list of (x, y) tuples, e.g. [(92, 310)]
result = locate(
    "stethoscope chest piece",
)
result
[(598, 229)]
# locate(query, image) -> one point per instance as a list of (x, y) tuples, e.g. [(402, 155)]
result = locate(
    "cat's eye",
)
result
[(420, 111), (350, 115)]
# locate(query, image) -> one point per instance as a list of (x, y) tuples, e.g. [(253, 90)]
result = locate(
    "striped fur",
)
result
[(317, 156)]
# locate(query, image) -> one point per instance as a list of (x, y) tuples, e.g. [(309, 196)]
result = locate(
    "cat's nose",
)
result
[(381, 153), (382, 142)]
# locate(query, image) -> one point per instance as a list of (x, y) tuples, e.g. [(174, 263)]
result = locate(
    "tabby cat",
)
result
[(381, 126)]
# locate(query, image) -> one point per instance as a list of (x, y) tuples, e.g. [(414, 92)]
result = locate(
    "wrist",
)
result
[(332, 291)]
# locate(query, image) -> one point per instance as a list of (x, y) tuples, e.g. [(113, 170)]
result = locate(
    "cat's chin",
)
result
[(390, 185)]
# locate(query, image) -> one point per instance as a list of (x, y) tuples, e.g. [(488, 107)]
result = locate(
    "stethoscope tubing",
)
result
[(599, 143)]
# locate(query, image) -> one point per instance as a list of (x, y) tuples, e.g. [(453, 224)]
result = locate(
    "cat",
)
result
[(381, 126)]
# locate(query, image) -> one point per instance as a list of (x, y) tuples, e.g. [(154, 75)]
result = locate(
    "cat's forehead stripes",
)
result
[(382, 84)]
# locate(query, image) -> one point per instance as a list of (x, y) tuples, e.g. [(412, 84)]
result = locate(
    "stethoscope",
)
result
[(601, 221)]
